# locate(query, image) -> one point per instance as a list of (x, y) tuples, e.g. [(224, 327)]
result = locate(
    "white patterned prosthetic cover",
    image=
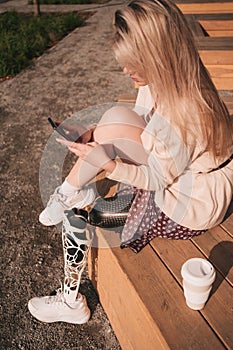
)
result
[(76, 239)]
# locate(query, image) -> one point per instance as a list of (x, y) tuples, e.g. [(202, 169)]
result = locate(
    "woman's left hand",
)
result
[(91, 152)]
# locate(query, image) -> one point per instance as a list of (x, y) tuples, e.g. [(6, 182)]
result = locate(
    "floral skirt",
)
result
[(145, 221)]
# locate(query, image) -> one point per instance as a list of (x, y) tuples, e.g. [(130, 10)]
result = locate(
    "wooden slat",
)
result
[(222, 76), (129, 318), (216, 43), (217, 33), (146, 306), (211, 16), (216, 56), (223, 83), (216, 244), (221, 71), (216, 24), (227, 97), (217, 310), (227, 225), (128, 98), (228, 100), (214, 8), (197, 1), (216, 28)]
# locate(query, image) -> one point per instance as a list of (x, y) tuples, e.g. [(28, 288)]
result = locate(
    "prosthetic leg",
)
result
[(68, 305), (76, 239)]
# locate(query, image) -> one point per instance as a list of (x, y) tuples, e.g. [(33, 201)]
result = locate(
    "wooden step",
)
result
[(143, 298), (218, 309), (217, 28), (211, 24), (208, 7)]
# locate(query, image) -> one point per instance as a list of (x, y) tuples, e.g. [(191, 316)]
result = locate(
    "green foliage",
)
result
[(24, 37)]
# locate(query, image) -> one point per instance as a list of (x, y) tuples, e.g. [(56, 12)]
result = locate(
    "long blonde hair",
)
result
[(153, 37)]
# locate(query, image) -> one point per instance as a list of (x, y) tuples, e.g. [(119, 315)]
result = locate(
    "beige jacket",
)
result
[(185, 189)]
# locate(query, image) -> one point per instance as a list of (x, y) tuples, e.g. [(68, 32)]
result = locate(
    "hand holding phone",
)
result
[(70, 135)]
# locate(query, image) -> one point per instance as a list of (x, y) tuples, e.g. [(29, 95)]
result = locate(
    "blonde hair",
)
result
[(153, 37)]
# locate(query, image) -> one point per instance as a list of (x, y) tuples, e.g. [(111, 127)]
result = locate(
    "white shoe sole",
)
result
[(81, 319)]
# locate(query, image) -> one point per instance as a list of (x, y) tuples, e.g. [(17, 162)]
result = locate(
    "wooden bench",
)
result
[(143, 298), (213, 33), (142, 293)]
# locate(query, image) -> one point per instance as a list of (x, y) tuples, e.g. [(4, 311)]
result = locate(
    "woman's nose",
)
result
[(128, 71)]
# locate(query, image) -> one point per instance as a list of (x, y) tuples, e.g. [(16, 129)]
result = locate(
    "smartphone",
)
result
[(62, 131)]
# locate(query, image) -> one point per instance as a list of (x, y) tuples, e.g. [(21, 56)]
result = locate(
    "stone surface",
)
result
[(78, 72)]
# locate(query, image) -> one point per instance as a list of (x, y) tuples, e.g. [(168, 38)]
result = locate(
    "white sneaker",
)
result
[(58, 203), (55, 309)]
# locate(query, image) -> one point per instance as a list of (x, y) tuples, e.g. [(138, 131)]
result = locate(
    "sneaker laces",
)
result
[(58, 297), (63, 198), (58, 196)]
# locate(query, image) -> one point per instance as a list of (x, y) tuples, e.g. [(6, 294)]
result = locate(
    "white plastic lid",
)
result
[(198, 271)]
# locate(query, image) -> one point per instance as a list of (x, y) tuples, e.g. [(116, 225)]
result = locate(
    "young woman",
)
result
[(174, 149)]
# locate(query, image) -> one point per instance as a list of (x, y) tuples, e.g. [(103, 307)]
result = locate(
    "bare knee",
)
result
[(119, 122), (122, 115)]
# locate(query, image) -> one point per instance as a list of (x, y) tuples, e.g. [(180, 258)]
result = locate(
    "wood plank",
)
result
[(216, 43), (216, 244), (217, 33), (229, 105), (216, 56), (221, 71), (223, 83), (227, 225), (217, 310), (216, 24), (211, 16), (227, 97), (222, 76), (199, 8), (128, 98), (197, 1), (145, 305), (131, 321)]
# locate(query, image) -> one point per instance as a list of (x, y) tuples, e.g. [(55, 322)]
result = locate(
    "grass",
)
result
[(25, 37)]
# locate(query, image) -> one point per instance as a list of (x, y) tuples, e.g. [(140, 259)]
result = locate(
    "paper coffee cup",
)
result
[(198, 276)]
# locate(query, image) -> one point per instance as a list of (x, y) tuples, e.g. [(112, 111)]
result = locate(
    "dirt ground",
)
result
[(78, 72)]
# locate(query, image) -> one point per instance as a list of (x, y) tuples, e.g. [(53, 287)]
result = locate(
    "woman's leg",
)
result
[(119, 131)]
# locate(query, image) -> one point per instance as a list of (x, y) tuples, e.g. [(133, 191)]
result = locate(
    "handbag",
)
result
[(112, 211), (109, 212)]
